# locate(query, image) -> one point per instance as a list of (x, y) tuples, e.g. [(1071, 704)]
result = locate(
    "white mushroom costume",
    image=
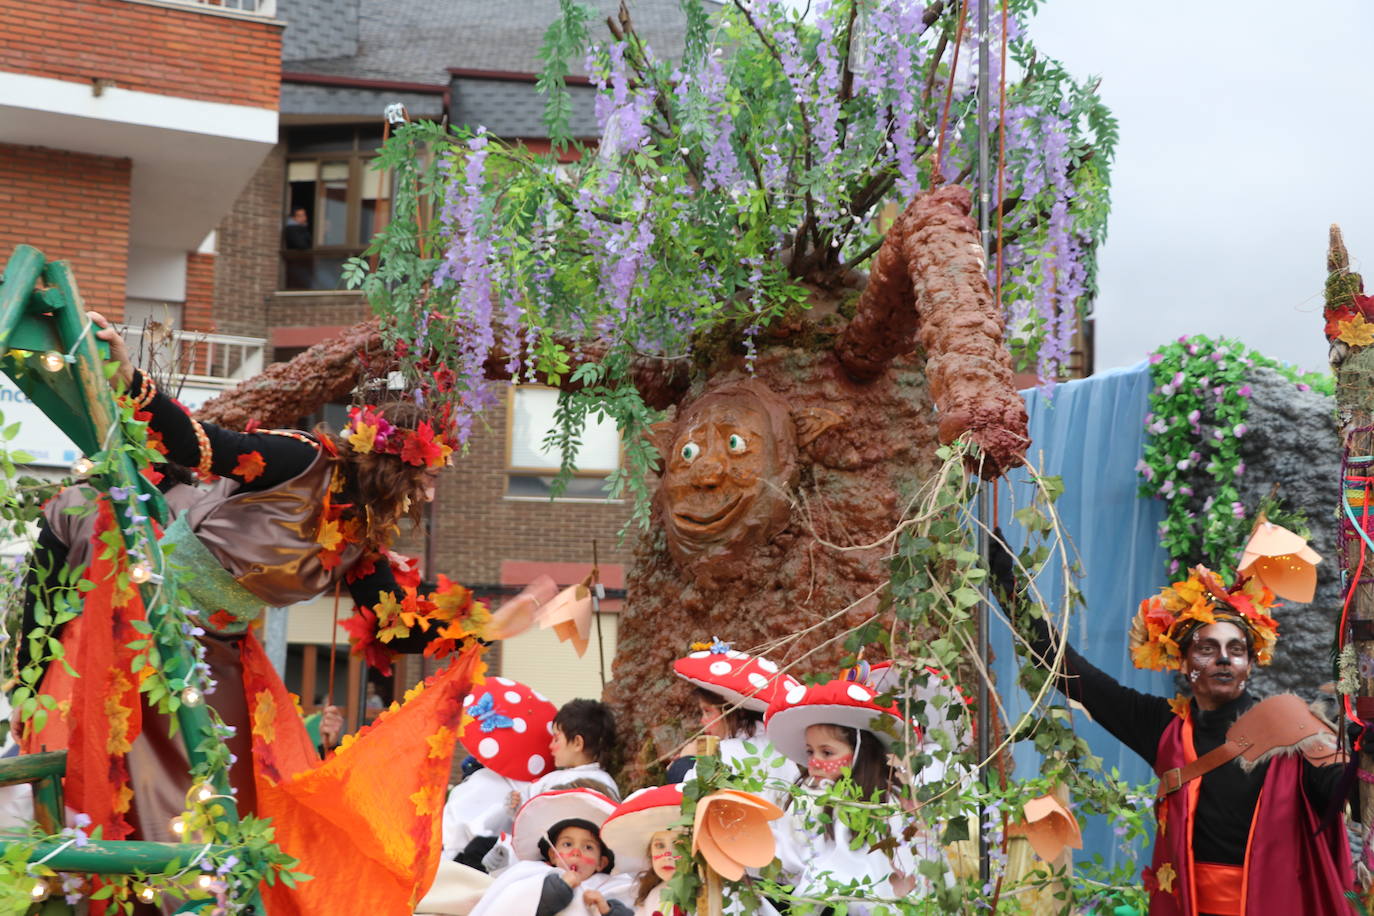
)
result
[(750, 682), (516, 891), (630, 827), (807, 855)]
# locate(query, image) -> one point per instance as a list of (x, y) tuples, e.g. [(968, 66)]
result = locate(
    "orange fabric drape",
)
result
[(98, 714), (364, 823)]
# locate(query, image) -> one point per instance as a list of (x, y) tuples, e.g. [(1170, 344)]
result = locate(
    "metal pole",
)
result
[(983, 507)]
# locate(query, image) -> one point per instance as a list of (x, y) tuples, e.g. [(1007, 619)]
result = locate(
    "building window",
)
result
[(335, 202), (531, 466)]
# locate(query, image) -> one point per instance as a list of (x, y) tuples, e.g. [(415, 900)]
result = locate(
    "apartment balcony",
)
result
[(206, 363), (185, 89)]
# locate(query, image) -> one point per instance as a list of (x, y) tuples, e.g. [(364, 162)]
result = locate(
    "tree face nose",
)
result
[(708, 471)]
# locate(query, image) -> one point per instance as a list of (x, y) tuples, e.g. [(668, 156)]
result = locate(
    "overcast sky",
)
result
[(1246, 129)]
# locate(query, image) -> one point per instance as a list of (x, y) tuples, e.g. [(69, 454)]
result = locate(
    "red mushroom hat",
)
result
[(838, 702), (753, 682), (642, 814), (508, 726), (538, 816)]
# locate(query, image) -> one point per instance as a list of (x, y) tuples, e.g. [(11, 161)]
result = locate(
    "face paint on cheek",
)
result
[(829, 768)]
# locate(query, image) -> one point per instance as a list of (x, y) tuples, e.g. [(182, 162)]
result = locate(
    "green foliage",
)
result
[(1192, 457)]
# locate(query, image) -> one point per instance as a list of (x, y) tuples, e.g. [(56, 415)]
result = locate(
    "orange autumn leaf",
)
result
[(427, 800), (265, 717), (1356, 331), (441, 742), (330, 537), (250, 466)]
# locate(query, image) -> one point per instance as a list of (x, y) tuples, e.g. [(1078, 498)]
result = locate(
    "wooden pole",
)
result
[(1354, 370)]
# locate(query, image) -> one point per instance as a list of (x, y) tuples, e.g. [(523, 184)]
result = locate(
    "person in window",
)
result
[(296, 236), (1236, 836)]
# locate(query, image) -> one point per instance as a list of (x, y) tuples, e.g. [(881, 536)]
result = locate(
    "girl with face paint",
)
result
[(827, 728)]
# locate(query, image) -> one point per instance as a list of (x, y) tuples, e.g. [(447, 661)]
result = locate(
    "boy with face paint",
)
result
[(1230, 836), (564, 868)]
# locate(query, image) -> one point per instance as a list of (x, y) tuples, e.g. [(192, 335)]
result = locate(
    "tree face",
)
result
[(730, 468)]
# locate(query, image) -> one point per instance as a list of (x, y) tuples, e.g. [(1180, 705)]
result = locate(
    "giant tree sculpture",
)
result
[(706, 257)]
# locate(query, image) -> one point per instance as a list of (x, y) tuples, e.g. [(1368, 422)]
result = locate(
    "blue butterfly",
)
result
[(718, 647), (485, 713)]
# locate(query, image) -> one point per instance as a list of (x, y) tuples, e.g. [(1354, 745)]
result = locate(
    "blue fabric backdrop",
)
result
[(1091, 433)]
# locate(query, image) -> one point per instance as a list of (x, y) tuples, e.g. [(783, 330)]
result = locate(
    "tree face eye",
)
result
[(690, 451), (737, 443)]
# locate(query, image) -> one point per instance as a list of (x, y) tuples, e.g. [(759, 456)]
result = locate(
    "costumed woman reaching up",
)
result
[(1243, 782), (291, 516)]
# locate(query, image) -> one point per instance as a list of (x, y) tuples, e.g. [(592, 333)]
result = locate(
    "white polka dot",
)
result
[(758, 680), (699, 654), (536, 765), (859, 692), (505, 682), (768, 666), (719, 668), (795, 693), (539, 696), (733, 654), (549, 726), (519, 725), (513, 697), (788, 682), (469, 700), (488, 747)]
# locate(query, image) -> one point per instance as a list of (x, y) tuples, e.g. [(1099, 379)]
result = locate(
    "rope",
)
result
[(935, 177), (333, 644), (1001, 156)]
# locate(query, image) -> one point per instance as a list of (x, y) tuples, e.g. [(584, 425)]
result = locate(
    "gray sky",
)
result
[(1245, 131)]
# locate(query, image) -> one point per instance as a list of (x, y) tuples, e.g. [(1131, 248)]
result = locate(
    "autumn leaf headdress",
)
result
[(368, 431), (1166, 621)]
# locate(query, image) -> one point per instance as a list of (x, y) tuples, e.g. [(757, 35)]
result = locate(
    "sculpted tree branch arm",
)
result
[(328, 372), (929, 279)]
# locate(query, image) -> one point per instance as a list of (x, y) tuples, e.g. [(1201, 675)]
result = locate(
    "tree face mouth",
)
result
[(707, 517)]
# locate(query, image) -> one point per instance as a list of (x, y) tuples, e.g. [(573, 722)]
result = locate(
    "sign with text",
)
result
[(41, 438)]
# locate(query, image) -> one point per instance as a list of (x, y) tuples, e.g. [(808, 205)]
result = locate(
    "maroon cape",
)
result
[(1289, 867)]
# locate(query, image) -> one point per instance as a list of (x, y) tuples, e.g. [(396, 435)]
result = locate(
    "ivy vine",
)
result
[(1192, 460)]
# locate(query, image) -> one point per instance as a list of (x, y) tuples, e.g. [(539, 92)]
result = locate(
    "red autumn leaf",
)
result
[(250, 466), (221, 619)]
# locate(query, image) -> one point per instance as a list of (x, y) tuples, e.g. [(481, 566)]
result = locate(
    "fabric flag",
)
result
[(364, 823)]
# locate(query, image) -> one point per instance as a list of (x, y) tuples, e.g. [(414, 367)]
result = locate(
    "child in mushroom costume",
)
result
[(733, 691), (829, 729), (576, 886)]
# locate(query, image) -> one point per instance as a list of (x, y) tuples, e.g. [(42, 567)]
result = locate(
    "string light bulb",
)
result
[(178, 825), (147, 895), (82, 467), (205, 881), (140, 572), (205, 792), (193, 697), (54, 361), (39, 891)]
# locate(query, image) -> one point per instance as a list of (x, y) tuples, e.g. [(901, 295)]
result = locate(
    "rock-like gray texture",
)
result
[(1291, 440)]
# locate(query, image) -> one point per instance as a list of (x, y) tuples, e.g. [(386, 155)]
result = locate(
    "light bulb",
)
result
[(178, 826), (39, 891), (205, 793), (205, 881), (82, 467), (147, 895), (192, 697), (140, 573), (54, 361)]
